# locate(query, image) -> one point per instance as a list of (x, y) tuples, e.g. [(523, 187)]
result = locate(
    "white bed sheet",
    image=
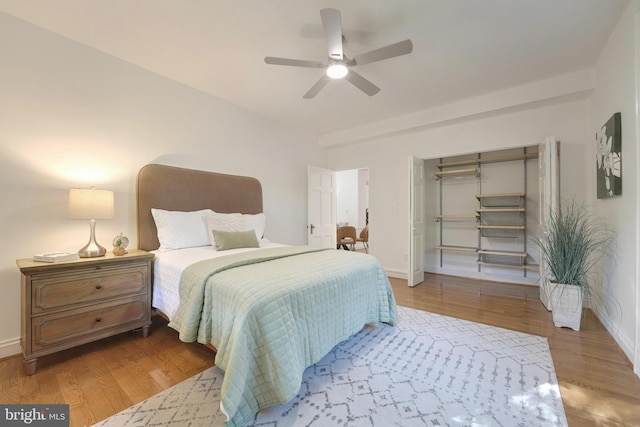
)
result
[(169, 265)]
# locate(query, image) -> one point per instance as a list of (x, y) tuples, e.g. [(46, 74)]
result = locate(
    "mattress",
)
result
[(169, 265)]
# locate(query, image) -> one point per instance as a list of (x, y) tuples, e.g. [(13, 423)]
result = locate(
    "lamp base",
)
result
[(92, 249)]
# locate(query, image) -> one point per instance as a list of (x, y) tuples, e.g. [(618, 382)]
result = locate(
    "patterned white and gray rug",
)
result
[(428, 370)]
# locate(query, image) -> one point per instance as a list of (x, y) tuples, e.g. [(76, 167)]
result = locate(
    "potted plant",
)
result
[(573, 243)]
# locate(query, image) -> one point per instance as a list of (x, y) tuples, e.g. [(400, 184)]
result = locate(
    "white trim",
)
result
[(558, 89), (516, 277), (626, 345), (397, 274)]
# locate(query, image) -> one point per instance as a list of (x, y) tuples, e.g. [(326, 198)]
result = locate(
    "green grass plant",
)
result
[(574, 242)]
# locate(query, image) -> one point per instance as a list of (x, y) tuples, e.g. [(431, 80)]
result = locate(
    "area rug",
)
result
[(428, 370)]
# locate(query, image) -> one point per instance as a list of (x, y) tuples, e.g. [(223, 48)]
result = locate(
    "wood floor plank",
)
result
[(100, 379)]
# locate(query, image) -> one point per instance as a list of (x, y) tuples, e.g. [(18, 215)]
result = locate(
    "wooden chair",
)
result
[(364, 238), (346, 238)]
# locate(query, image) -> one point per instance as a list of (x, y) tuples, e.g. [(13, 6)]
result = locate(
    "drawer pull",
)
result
[(98, 286), (98, 319)]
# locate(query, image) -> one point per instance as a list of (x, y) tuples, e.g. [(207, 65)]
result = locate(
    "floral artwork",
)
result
[(609, 158)]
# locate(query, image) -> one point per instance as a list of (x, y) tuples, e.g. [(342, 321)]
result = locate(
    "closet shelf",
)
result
[(458, 173), (493, 196), (501, 231), (489, 210), (495, 264), (502, 258), (503, 253), (456, 248), (501, 227), (501, 215), (488, 160), (503, 200)]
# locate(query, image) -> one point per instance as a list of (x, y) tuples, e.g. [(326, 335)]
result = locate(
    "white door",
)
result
[(549, 188), (321, 207), (416, 221)]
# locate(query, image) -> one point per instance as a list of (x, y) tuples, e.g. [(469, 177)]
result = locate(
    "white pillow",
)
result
[(177, 230), (235, 222), (257, 223)]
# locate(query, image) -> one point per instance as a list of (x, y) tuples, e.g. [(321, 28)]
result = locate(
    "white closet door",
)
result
[(416, 221), (549, 180)]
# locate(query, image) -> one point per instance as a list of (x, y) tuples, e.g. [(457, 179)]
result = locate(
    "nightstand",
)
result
[(65, 304)]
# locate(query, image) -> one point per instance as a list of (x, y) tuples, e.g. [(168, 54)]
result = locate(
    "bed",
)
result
[(269, 310)]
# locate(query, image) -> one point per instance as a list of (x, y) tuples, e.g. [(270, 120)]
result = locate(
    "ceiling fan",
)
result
[(338, 65)]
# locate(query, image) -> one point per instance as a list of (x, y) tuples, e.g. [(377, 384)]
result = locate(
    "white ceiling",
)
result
[(462, 48)]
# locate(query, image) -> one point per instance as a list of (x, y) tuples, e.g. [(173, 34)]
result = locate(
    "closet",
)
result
[(483, 209)]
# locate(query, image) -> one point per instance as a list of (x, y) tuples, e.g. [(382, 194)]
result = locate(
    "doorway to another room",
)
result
[(352, 203)]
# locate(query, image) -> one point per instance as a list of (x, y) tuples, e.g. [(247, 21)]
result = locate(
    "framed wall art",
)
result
[(609, 158)]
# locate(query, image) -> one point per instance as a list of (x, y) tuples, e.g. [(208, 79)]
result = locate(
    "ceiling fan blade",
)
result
[(311, 93), (393, 50), (332, 24), (294, 62), (361, 83)]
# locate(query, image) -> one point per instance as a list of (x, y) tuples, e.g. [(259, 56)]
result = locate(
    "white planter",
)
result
[(567, 305), (545, 294)]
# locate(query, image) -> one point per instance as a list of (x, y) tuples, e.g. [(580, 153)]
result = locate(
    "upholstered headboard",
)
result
[(178, 189)]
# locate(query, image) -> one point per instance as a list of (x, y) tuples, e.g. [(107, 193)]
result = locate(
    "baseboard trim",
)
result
[(397, 274), (531, 279), (10, 348), (626, 346)]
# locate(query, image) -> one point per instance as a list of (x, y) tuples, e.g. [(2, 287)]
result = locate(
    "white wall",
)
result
[(74, 117), (616, 91), (347, 197), (352, 197)]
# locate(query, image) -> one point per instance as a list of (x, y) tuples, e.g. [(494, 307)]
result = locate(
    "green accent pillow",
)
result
[(235, 239)]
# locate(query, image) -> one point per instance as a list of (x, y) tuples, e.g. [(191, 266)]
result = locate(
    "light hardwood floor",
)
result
[(99, 379)]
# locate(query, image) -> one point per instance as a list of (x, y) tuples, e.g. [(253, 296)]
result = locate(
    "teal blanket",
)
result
[(272, 313)]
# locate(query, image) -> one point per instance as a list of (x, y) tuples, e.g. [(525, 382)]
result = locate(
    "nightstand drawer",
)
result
[(75, 325), (53, 291)]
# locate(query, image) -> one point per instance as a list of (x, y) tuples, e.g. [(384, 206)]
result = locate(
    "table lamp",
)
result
[(91, 204)]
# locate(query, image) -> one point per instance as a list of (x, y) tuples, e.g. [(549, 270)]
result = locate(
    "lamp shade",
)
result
[(89, 203)]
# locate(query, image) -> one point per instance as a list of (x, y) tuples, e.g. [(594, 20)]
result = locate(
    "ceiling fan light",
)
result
[(337, 71)]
